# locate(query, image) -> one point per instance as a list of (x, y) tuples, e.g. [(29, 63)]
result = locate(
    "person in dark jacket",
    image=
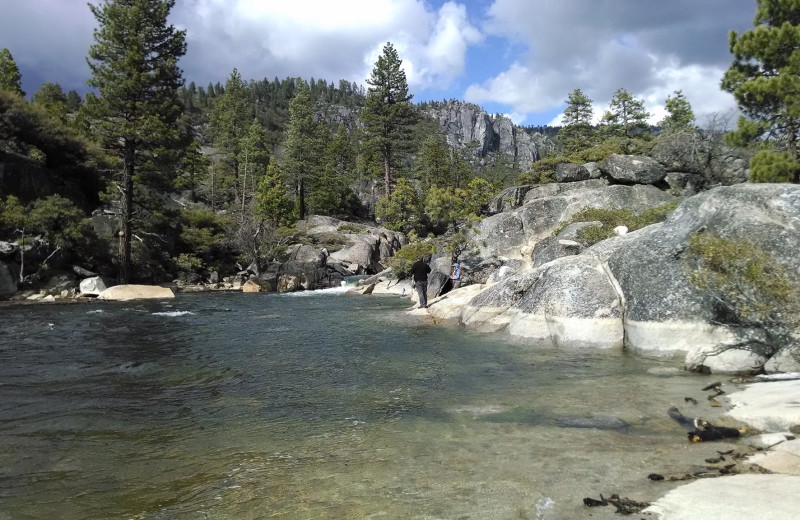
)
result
[(420, 270)]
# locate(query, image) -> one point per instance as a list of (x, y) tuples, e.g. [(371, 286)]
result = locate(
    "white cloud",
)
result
[(325, 39), (602, 46)]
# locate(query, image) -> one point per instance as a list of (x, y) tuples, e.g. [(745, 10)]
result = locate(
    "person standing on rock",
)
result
[(455, 273), (420, 270)]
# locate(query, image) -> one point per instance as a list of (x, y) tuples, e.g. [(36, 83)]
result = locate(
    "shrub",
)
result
[(408, 254), (768, 166), (750, 290), (611, 218)]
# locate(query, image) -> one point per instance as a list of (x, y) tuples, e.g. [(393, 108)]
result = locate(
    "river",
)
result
[(316, 405)]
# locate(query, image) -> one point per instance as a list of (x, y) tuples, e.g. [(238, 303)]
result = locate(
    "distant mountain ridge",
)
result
[(485, 137)]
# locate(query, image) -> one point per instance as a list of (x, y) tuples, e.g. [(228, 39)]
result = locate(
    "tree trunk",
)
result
[(387, 177), (793, 152), (301, 198), (126, 206)]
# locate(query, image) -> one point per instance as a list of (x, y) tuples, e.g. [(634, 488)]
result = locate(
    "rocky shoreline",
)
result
[(771, 409)]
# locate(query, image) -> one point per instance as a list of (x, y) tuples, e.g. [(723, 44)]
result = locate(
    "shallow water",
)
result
[(317, 405)]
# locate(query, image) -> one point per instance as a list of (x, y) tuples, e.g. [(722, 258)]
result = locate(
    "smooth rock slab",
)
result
[(770, 407), (135, 292), (740, 497), (784, 458)]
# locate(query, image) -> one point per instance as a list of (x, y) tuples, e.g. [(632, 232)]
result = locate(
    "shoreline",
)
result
[(761, 479)]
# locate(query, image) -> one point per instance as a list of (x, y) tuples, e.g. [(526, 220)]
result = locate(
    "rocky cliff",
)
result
[(489, 140)]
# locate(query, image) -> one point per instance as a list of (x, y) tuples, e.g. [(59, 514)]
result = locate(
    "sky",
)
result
[(520, 58)]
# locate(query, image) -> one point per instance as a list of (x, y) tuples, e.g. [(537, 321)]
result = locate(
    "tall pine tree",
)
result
[(229, 123), (303, 152), (578, 132), (626, 116), (134, 65), (10, 78), (388, 114), (680, 116), (765, 80)]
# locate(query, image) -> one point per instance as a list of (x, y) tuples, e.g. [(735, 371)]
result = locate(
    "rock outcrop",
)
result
[(8, 282), (507, 233), (488, 139), (136, 292), (569, 302), (632, 169), (632, 289), (664, 312)]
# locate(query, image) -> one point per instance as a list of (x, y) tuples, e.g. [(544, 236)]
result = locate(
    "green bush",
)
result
[(330, 241), (769, 166), (352, 228), (401, 262), (611, 218), (187, 262), (750, 289)]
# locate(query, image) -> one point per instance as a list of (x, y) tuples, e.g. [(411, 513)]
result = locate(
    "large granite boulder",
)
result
[(550, 248), (8, 282), (738, 497), (439, 277), (306, 276), (362, 257), (555, 188), (92, 286), (569, 302), (136, 292), (568, 172), (506, 234), (308, 255), (633, 169), (703, 156), (508, 199), (664, 312)]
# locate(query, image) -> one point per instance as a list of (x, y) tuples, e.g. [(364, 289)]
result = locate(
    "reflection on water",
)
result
[(321, 406)]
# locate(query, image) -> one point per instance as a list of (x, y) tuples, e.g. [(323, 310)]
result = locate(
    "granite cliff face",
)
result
[(490, 140)]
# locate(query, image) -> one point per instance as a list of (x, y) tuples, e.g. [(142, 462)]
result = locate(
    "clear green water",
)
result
[(321, 405)]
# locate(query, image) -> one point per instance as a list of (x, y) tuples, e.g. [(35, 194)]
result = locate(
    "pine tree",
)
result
[(433, 163), (577, 133), (134, 66), (765, 80), (388, 113), (228, 125), (253, 159), (52, 99), (680, 116), (10, 78), (271, 202), (74, 101), (330, 191), (303, 146), (626, 116)]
